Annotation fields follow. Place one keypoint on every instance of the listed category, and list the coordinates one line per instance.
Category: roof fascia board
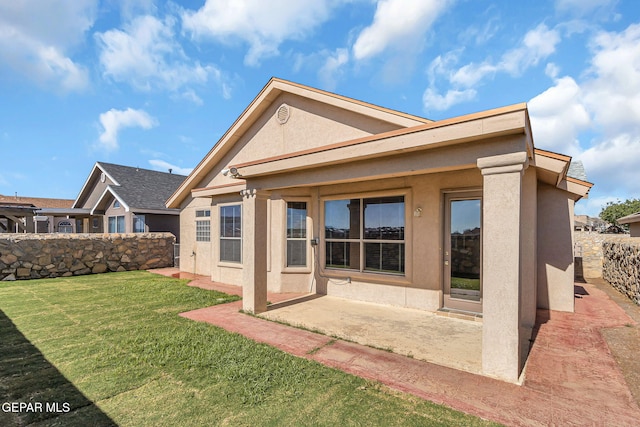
(219, 190)
(114, 194)
(576, 187)
(156, 211)
(274, 88)
(510, 120)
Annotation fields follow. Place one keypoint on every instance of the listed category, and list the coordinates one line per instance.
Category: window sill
(230, 264)
(357, 276)
(296, 270)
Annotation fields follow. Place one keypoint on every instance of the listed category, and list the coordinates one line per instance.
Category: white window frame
(362, 273)
(201, 224)
(117, 230)
(229, 263)
(302, 268)
(144, 223)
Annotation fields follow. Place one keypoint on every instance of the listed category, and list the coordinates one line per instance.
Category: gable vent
(282, 115)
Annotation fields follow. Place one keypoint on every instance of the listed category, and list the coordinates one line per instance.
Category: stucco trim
(487, 124)
(218, 190)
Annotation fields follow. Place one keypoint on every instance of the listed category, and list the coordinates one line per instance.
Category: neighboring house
(588, 223)
(20, 214)
(634, 223)
(310, 191)
(124, 199)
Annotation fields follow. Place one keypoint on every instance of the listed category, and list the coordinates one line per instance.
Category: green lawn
(113, 348)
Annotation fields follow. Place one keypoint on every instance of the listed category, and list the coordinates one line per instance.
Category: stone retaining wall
(621, 266)
(35, 256)
(588, 252)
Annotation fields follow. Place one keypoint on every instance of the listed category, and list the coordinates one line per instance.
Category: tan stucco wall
(555, 249)
(310, 124)
(634, 229)
(528, 266)
(95, 188)
(195, 257)
(422, 286)
(120, 211)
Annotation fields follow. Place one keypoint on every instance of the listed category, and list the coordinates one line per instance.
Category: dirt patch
(624, 342)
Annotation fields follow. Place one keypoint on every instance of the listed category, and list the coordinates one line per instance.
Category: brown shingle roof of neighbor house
(38, 202)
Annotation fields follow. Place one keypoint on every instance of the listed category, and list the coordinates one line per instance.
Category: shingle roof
(39, 202)
(142, 188)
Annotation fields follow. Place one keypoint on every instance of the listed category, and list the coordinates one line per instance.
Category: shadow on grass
(27, 377)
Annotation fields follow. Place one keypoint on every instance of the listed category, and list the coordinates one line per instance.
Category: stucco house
(310, 191)
(634, 223)
(125, 199)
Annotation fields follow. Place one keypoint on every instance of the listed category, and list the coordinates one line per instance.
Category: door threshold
(459, 314)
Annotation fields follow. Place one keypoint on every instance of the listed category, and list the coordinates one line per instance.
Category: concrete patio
(571, 377)
(422, 335)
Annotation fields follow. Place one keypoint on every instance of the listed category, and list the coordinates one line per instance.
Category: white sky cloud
(536, 45)
(161, 165)
(613, 92)
(432, 100)
(115, 120)
(607, 103)
(146, 55)
(558, 115)
(330, 72)
(36, 38)
(264, 25)
(396, 24)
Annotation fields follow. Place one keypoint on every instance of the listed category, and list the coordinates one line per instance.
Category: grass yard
(114, 350)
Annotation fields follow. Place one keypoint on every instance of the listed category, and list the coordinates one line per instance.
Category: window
(296, 234)
(116, 204)
(116, 224)
(139, 224)
(203, 227)
(65, 227)
(231, 233)
(365, 234)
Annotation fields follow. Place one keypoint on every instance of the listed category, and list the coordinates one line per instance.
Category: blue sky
(155, 84)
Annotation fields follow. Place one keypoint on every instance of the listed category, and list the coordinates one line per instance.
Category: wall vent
(282, 115)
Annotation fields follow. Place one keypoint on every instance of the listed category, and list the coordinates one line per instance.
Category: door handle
(446, 263)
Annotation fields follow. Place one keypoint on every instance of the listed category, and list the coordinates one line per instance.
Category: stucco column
(254, 251)
(501, 258)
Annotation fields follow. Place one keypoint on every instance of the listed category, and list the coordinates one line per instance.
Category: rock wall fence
(588, 252)
(621, 266)
(35, 256)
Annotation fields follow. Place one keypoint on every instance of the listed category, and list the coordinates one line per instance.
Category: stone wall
(588, 252)
(621, 266)
(34, 256)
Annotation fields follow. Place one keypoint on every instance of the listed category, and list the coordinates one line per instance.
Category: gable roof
(272, 90)
(135, 187)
